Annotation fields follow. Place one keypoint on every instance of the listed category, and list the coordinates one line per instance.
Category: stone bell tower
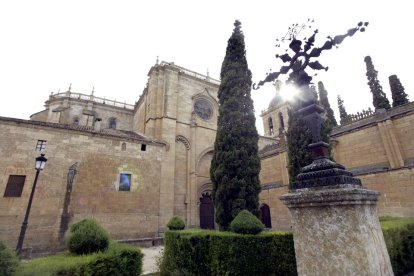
(275, 117)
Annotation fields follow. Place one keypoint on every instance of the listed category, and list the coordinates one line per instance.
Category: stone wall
(100, 158)
(65, 108)
(379, 150)
(167, 107)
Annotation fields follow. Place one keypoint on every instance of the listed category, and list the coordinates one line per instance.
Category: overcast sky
(111, 45)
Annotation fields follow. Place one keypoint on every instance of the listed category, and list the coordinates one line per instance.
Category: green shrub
(201, 252)
(246, 223)
(87, 237)
(8, 260)
(119, 259)
(399, 238)
(176, 223)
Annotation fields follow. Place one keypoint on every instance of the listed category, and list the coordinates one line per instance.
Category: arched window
(271, 131)
(112, 123)
(281, 122)
(76, 121)
(123, 147)
(265, 215)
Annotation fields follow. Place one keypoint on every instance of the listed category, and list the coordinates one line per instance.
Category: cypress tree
(399, 96)
(323, 99)
(379, 99)
(235, 165)
(298, 138)
(342, 112)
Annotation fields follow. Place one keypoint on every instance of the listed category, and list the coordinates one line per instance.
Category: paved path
(150, 256)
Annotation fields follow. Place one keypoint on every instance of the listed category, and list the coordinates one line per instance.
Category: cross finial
(70, 87)
(93, 90)
(157, 61)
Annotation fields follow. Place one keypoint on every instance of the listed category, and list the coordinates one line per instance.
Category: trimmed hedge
(8, 260)
(119, 259)
(208, 252)
(87, 237)
(176, 223)
(201, 252)
(399, 238)
(246, 223)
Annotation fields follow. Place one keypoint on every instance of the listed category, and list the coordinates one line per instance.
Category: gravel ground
(150, 257)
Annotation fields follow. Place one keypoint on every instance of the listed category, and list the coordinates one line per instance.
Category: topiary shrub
(87, 237)
(8, 260)
(246, 223)
(176, 223)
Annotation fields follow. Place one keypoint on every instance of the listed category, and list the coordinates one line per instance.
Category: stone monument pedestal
(337, 232)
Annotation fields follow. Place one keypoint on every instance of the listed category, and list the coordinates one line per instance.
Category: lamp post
(39, 165)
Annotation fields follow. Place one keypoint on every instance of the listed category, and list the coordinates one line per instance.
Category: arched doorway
(265, 214)
(206, 211)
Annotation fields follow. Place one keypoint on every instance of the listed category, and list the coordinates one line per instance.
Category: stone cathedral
(132, 167)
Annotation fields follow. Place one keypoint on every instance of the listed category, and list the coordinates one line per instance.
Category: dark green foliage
(379, 99)
(198, 252)
(342, 112)
(399, 97)
(400, 244)
(246, 223)
(121, 260)
(87, 237)
(118, 259)
(176, 223)
(323, 99)
(235, 165)
(298, 138)
(8, 260)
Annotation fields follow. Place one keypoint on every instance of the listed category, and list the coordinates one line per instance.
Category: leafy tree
(323, 99)
(379, 99)
(342, 112)
(399, 96)
(235, 165)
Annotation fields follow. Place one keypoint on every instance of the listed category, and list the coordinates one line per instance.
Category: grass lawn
(393, 222)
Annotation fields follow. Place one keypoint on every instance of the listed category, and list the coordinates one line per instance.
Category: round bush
(246, 223)
(8, 260)
(87, 237)
(176, 223)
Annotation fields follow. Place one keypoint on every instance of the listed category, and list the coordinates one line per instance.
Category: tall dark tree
(399, 96)
(235, 166)
(298, 138)
(323, 99)
(342, 111)
(379, 99)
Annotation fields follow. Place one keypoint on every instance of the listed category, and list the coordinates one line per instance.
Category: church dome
(277, 99)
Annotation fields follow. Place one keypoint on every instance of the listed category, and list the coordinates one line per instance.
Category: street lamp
(39, 165)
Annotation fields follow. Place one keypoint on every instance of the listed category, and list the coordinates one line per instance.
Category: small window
(41, 145)
(76, 122)
(271, 130)
(14, 186)
(123, 147)
(124, 182)
(143, 147)
(112, 123)
(281, 121)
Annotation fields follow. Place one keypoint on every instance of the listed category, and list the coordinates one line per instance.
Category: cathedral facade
(132, 167)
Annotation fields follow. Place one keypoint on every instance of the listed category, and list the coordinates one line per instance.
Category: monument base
(337, 232)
